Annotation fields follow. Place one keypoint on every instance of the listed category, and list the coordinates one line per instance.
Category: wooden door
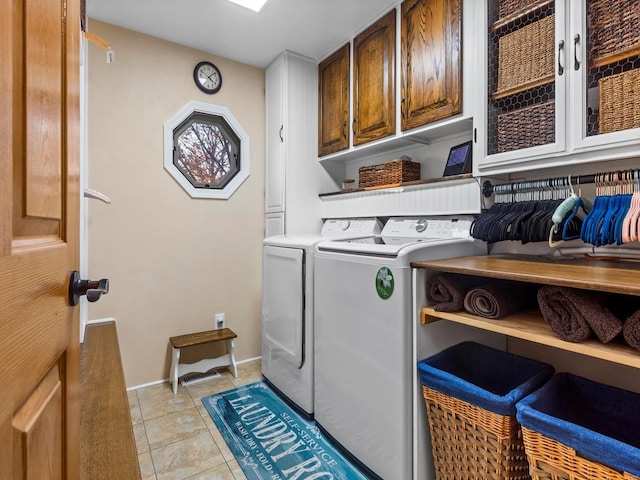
(333, 102)
(39, 231)
(431, 61)
(374, 83)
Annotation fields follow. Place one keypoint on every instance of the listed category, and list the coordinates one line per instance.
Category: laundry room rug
(271, 441)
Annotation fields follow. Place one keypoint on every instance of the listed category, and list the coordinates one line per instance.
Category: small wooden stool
(182, 341)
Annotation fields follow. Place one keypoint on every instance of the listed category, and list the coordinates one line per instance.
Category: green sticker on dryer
(384, 283)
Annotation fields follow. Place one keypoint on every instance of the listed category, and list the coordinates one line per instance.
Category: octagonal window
(206, 150)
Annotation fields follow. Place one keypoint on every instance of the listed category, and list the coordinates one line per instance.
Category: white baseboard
(166, 380)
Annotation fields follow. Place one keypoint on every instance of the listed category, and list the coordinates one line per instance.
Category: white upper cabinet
(293, 176)
(562, 83)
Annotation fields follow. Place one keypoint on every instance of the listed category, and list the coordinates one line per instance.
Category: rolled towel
(631, 330)
(445, 293)
(572, 314)
(499, 299)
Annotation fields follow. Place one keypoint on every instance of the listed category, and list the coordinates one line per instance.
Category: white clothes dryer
(287, 307)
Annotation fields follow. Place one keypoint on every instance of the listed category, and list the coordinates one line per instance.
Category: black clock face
(207, 77)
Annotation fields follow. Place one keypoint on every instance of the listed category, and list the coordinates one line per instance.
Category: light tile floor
(175, 436)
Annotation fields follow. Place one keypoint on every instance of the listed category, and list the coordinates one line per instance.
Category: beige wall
(173, 262)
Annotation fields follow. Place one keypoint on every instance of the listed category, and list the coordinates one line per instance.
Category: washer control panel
(428, 227)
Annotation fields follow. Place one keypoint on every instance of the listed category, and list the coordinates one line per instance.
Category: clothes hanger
(630, 224)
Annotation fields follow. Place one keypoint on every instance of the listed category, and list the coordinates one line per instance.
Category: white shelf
(422, 135)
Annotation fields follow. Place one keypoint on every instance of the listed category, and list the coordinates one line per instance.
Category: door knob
(93, 289)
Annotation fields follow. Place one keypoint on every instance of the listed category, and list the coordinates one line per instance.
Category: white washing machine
(287, 306)
(366, 345)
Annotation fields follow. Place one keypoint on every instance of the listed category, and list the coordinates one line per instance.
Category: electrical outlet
(219, 320)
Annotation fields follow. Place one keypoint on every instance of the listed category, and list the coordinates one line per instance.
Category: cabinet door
(528, 64)
(275, 167)
(604, 62)
(374, 81)
(274, 224)
(333, 102)
(431, 67)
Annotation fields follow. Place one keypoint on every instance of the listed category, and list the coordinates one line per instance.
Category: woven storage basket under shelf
(508, 7)
(526, 56)
(549, 459)
(471, 442)
(620, 101)
(396, 171)
(614, 27)
(527, 127)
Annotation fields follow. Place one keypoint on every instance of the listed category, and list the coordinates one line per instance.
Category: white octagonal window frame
(176, 121)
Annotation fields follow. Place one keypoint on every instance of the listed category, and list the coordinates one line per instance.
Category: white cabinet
(548, 92)
(293, 176)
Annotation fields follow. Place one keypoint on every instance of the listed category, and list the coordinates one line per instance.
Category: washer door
(283, 304)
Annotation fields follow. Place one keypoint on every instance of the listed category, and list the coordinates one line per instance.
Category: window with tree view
(208, 151)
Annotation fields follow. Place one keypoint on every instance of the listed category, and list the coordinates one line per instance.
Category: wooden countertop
(108, 448)
(600, 275)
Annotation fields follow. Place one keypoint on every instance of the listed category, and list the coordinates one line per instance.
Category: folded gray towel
(498, 299)
(445, 292)
(631, 330)
(573, 314)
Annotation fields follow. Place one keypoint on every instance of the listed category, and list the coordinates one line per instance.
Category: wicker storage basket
(527, 127)
(577, 429)
(470, 393)
(620, 101)
(614, 27)
(396, 171)
(508, 7)
(526, 56)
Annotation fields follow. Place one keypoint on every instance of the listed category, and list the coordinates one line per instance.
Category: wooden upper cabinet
(431, 61)
(333, 102)
(374, 81)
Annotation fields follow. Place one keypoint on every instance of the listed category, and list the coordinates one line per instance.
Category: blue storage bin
(601, 423)
(488, 378)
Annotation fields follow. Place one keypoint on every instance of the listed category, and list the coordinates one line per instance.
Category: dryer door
(283, 304)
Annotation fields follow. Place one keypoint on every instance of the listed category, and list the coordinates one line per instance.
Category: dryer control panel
(340, 227)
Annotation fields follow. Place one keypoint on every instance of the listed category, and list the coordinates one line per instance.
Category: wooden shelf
(596, 275)
(603, 276)
(521, 88)
(531, 326)
(520, 14)
(615, 57)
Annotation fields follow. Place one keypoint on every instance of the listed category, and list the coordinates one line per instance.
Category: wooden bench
(108, 447)
(183, 341)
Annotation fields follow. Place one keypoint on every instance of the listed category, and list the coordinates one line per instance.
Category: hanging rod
(488, 187)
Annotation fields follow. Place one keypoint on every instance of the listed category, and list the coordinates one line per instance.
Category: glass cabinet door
(524, 97)
(612, 66)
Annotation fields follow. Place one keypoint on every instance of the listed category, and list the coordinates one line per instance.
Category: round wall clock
(207, 77)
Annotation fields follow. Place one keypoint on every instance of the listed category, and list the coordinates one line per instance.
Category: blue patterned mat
(271, 441)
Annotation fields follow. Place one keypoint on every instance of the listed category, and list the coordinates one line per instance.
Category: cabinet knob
(280, 133)
(576, 62)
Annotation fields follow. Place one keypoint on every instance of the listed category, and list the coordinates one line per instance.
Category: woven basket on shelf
(526, 55)
(527, 127)
(620, 101)
(614, 27)
(470, 442)
(507, 7)
(396, 171)
(549, 459)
